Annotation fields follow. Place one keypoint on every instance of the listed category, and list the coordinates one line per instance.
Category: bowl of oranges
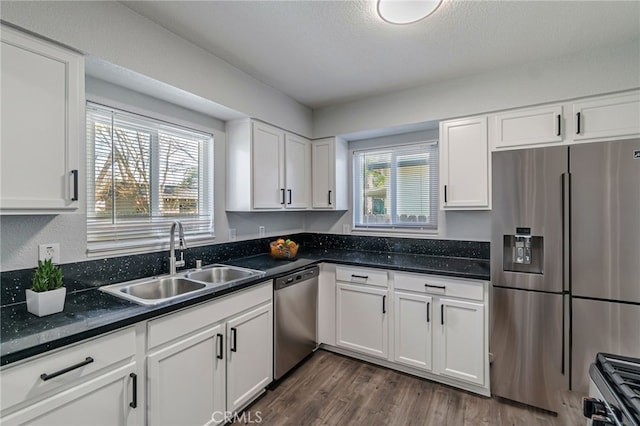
(283, 249)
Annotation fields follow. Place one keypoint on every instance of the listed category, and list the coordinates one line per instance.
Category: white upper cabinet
(267, 168)
(595, 119)
(42, 118)
(329, 166)
(607, 117)
(528, 127)
(465, 170)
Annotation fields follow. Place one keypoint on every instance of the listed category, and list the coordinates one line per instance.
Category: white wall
(584, 74)
(116, 34)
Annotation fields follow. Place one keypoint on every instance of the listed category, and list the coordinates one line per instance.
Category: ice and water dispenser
(523, 252)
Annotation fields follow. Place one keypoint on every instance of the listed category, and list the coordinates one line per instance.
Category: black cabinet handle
(234, 341)
(75, 185)
(441, 287)
(329, 197)
(442, 314)
(384, 304)
(445, 193)
(578, 123)
(134, 402)
(428, 309)
(46, 376)
(289, 191)
(364, 277)
(220, 339)
(559, 121)
(282, 193)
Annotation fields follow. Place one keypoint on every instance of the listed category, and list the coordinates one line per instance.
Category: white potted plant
(47, 295)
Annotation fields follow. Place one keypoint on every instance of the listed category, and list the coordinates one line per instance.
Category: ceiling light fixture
(406, 11)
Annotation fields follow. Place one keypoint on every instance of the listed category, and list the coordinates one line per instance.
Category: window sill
(112, 249)
(397, 232)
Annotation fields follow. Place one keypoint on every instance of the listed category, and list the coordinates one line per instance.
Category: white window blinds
(396, 187)
(142, 175)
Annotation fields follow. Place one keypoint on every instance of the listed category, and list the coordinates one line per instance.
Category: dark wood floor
(331, 389)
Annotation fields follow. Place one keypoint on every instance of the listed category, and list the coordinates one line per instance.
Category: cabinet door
(42, 117)
(607, 117)
(413, 318)
(105, 400)
(525, 127)
(250, 356)
(361, 322)
(186, 380)
(464, 160)
(297, 171)
(461, 340)
(268, 166)
(323, 174)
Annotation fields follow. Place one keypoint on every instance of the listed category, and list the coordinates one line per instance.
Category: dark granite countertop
(90, 312)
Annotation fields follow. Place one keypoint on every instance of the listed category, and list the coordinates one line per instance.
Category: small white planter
(46, 302)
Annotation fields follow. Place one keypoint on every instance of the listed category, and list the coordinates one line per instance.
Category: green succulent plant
(47, 276)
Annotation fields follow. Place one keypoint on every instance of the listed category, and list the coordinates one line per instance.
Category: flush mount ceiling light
(406, 11)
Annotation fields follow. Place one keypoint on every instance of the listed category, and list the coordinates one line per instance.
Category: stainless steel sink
(162, 288)
(153, 291)
(220, 274)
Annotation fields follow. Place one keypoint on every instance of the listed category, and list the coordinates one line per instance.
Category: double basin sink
(153, 291)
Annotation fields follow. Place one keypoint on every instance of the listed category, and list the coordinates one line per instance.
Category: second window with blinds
(396, 188)
(143, 174)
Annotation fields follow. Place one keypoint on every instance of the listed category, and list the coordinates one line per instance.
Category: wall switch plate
(232, 234)
(49, 251)
(346, 228)
(261, 231)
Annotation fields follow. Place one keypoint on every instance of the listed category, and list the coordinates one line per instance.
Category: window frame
(160, 240)
(396, 228)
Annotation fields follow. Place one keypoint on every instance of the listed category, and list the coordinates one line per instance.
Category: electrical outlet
(232, 234)
(261, 231)
(49, 251)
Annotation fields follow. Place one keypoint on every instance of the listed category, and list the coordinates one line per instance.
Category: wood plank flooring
(330, 389)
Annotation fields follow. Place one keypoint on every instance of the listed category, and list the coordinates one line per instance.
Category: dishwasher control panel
(291, 279)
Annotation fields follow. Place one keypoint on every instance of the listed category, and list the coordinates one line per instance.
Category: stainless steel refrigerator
(565, 266)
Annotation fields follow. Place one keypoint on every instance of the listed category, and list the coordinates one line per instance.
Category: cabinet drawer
(177, 325)
(377, 277)
(468, 289)
(29, 380)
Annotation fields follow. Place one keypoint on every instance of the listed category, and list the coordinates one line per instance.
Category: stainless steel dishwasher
(296, 302)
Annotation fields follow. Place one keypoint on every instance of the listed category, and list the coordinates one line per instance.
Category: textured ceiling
(327, 52)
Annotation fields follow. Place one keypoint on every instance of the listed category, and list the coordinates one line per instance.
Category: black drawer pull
(384, 304)
(364, 277)
(234, 341)
(578, 123)
(329, 197)
(289, 191)
(282, 193)
(442, 314)
(428, 309)
(559, 132)
(134, 385)
(441, 287)
(220, 339)
(46, 376)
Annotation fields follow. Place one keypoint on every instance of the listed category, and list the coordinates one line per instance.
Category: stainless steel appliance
(295, 301)
(614, 391)
(565, 266)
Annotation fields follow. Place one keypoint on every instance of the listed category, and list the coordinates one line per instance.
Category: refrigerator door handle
(566, 256)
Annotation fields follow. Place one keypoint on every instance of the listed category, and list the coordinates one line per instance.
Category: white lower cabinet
(209, 361)
(361, 322)
(186, 381)
(413, 330)
(105, 400)
(431, 326)
(250, 356)
(92, 383)
(461, 340)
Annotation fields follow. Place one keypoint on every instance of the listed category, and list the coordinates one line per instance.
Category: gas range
(614, 391)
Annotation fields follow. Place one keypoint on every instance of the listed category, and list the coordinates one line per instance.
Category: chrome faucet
(173, 263)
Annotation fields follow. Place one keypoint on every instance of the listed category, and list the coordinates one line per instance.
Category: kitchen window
(396, 188)
(143, 174)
